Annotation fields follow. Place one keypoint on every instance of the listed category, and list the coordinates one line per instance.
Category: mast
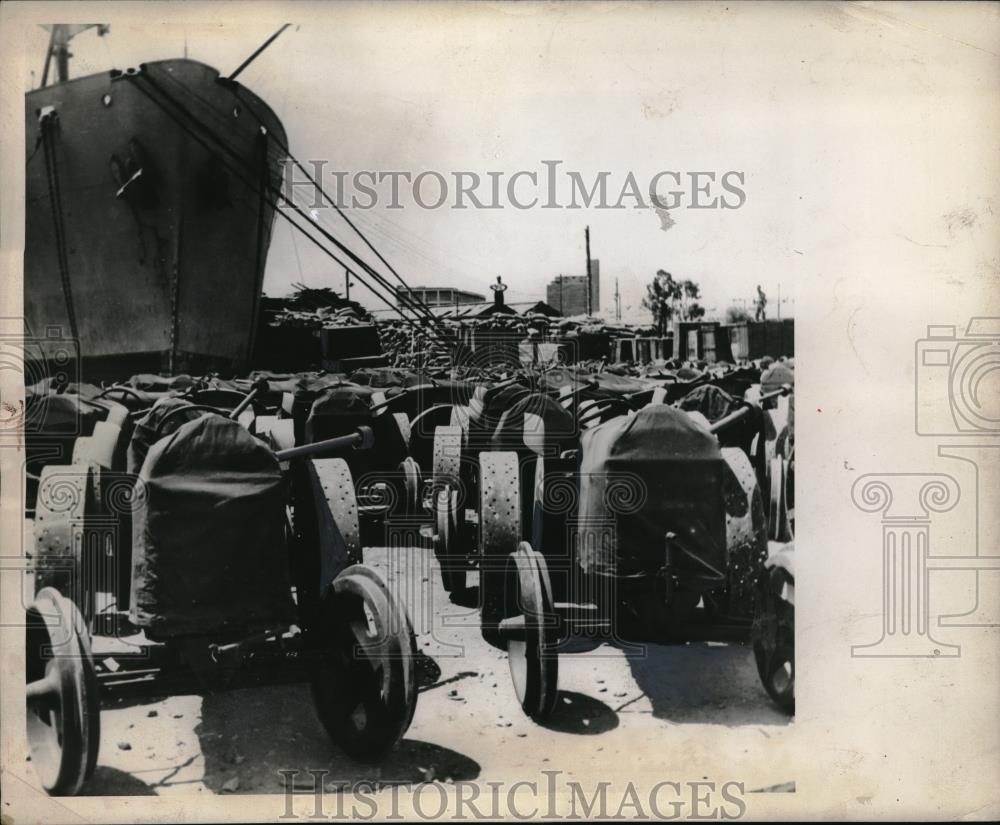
(60, 35)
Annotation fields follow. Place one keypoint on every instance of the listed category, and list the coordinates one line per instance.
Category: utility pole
(618, 302)
(590, 308)
(779, 300)
(561, 294)
(347, 283)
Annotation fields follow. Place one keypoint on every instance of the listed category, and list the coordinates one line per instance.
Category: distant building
(441, 296)
(568, 293)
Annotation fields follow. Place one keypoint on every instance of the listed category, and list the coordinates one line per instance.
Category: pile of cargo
(314, 308)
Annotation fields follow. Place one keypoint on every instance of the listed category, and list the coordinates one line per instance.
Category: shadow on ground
(248, 736)
(703, 683)
(113, 782)
(577, 713)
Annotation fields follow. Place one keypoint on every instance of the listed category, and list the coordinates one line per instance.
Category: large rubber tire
(63, 701)
(774, 640)
(532, 646)
(364, 683)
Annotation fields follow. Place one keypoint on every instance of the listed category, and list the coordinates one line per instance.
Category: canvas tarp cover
(161, 383)
(383, 377)
(52, 413)
(307, 390)
(715, 403)
(50, 385)
(619, 384)
(712, 402)
(776, 376)
(536, 422)
(309, 387)
(145, 432)
(486, 408)
(280, 382)
(642, 476)
(208, 536)
(449, 391)
(340, 411)
(488, 403)
(736, 382)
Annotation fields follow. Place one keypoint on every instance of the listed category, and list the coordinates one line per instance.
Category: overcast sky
(779, 93)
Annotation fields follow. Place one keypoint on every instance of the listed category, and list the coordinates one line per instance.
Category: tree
(735, 315)
(667, 299)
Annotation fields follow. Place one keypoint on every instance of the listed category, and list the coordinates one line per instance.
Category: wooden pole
(590, 308)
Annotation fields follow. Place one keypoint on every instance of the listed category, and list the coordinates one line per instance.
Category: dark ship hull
(148, 217)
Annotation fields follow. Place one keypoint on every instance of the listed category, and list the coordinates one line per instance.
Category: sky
(500, 88)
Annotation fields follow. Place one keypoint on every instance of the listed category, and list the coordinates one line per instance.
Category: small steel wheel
(790, 491)
(774, 638)
(446, 543)
(411, 487)
(530, 628)
(364, 683)
(63, 705)
(779, 526)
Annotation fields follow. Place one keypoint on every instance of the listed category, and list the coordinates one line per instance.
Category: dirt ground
(666, 710)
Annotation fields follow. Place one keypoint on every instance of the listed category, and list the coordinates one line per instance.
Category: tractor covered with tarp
(635, 522)
(215, 562)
